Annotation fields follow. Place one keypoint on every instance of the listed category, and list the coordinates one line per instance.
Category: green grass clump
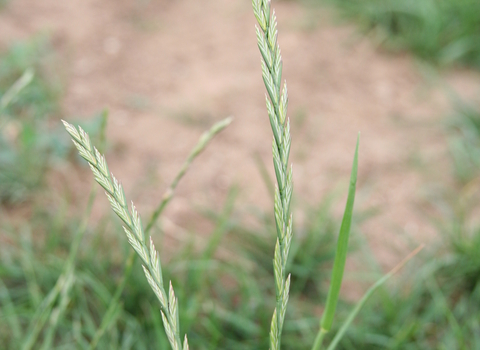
(41, 311)
(440, 31)
(230, 308)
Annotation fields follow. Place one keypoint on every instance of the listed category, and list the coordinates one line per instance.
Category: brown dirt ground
(167, 69)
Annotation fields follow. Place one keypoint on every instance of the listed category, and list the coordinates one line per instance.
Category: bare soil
(167, 69)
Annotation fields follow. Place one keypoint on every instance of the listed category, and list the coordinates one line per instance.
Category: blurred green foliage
(224, 302)
(464, 140)
(441, 31)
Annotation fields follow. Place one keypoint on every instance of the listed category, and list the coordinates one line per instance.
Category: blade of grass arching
(340, 258)
(15, 89)
(199, 147)
(9, 313)
(367, 295)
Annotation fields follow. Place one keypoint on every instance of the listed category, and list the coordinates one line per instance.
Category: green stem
(319, 339)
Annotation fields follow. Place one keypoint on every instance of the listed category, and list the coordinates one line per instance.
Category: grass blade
(340, 257)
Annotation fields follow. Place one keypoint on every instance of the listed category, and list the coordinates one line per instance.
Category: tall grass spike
(276, 102)
(134, 231)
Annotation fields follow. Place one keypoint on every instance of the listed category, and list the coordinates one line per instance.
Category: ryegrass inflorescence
(277, 101)
(135, 233)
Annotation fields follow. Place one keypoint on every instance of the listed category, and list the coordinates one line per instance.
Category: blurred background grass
(440, 31)
(226, 288)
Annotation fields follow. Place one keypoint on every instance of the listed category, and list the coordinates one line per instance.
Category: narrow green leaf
(340, 257)
(342, 247)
